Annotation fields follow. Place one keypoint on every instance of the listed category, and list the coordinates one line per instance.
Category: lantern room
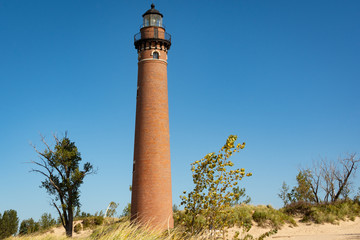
(152, 17)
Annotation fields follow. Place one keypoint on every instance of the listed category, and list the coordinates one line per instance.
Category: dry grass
(39, 237)
(242, 217)
(119, 230)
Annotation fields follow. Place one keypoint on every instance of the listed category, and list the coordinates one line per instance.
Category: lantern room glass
(152, 20)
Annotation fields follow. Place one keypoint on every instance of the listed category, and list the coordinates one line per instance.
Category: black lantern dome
(152, 17)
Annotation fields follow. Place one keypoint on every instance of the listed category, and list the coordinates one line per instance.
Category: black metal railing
(152, 35)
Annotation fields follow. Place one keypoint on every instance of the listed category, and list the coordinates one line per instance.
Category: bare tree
(326, 180)
(328, 169)
(336, 176)
(314, 179)
(343, 176)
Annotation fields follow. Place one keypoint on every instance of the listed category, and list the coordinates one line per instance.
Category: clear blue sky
(282, 75)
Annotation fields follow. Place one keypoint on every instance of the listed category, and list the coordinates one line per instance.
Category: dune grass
(245, 216)
(123, 230)
(38, 237)
(127, 231)
(325, 212)
(263, 216)
(242, 216)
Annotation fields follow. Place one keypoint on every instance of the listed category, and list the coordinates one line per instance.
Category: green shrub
(86, 223)
(324, 212)
(77, 228)
(92, 222)
(98, 220)
(267, 215)
(297, 208)
(259, 216)
(242, 216)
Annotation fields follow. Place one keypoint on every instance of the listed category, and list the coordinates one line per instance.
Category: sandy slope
(311, 231)
(349, 230)
(344, 230)
(60, 232)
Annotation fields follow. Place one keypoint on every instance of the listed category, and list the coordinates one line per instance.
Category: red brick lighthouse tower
(151, 200)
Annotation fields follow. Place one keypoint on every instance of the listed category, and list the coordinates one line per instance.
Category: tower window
(155, 55)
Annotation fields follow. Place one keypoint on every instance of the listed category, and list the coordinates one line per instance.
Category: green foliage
(267, 215)
(324, 212)
(331, 179)
(77, 228)
(126, 211)
(239, 194)
(244, 216)
(284, 194)
(206, 206)
(84, 214)
(111, 210)
(175, 208)
(46, 221)
(92, 222)
(297, 208)
(300, 193)
(241, 216)
(9, 223)
(98, 220)
(80, 214)
(86, 223)
(259, 216)
(101, 213)
(29, 226)
(303, 188)
(63, 177)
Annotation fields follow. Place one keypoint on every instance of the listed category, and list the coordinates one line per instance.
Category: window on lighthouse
(155, 55)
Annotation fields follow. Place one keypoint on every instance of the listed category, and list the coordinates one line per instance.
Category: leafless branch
(46, 157)
(61, 217)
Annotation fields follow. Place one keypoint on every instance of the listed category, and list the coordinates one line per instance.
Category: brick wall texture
(151, 201)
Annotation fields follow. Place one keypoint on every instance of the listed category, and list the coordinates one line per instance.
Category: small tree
(111, 209)
(240, 196)
(284, 194)
(28, 226)
(9, 223)
(175, 208)
(127, 210)
(63, 177)
(206, 205)
(46, 221)
(303, 189)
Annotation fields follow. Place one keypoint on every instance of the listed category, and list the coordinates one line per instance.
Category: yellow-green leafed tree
(206, 206)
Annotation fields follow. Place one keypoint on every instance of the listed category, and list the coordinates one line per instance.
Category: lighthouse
(151, 199)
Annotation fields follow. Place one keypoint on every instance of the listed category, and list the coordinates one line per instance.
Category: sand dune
(327, 231)
(349, 230)
(310, 231)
